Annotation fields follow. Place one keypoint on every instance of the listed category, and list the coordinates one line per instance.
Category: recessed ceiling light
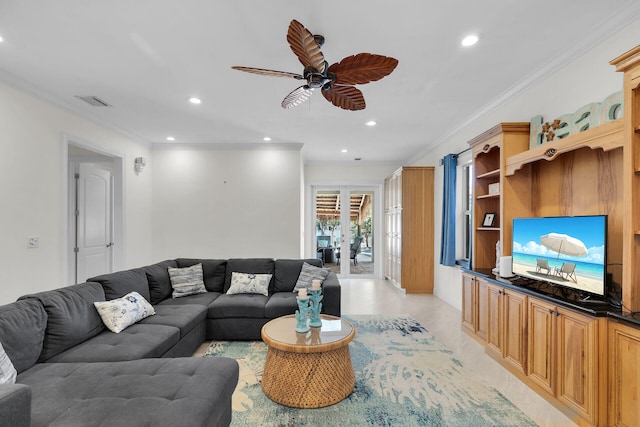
(195, 100)
(170, 138)
(469, 40)
(266, 139)
(371, 123)
(344, 150)
(1, 39)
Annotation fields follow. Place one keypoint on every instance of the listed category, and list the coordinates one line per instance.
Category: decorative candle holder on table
(303, 310)
(316, 305)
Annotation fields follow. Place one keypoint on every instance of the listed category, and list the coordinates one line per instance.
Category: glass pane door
(344, 237)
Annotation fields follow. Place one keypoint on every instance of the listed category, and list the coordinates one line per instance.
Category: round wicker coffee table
(310, 370)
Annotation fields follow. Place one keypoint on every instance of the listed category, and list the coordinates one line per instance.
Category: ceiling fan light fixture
(469, 40)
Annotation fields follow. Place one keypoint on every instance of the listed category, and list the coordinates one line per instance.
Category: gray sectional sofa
(73, 371)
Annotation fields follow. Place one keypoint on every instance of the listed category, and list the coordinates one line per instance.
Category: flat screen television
(569, 251)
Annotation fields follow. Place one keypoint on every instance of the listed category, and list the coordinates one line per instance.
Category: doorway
(94, 212)
(344, 229)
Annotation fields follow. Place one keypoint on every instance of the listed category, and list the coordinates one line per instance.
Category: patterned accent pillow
(249, 283)
(308, 273)
(7, 371)
(187, 281)
(120, 313)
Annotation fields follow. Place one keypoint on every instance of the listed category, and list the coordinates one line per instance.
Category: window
(464, 204)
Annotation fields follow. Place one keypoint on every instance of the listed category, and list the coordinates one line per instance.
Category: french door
(343, 236)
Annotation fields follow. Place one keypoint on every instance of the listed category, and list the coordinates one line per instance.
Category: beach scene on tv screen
(569, 251)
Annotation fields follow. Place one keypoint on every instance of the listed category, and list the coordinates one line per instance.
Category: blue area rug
(404, 377)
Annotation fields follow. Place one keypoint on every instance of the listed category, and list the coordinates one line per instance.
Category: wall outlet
(33, 241)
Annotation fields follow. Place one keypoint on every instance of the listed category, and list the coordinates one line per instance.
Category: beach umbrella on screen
(564, 244)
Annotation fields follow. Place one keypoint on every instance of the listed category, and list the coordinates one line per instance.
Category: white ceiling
(147, 57)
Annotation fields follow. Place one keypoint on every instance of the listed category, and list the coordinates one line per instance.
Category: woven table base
(308, 380)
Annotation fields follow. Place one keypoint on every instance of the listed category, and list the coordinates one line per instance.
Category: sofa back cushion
(213, 271)
(71, 316)
(117, 285)
(249, 265)
(22, 329)
(159, 281)
(288, 270)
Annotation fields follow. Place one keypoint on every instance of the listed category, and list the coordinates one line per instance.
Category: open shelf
(489, 174)
(488, 228)
(488, 196)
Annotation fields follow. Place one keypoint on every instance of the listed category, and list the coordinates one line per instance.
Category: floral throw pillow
(249, 283)
(7, 371)
(120, 313)
(187, 281)
(308, 273)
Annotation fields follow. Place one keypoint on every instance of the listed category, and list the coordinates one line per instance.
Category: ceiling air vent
(94, 101)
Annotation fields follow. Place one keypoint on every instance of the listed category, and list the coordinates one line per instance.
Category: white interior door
(94, 222)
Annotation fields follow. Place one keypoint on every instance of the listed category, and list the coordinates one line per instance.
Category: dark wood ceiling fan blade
(305, 46)
(362, 68)
(345, 97)
(297, 96)
(265, 72)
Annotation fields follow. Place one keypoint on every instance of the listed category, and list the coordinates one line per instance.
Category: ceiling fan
(336, 81)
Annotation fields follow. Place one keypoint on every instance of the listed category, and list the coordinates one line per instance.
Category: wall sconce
(139, 164)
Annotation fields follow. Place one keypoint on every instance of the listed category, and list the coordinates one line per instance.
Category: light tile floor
(374, 296)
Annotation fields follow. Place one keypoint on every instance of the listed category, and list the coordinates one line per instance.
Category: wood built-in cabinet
(490, 151)
(409, 229)
(624, 374)
(586, 366)
(564, 356)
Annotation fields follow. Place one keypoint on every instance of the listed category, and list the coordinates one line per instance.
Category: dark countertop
(558, 295)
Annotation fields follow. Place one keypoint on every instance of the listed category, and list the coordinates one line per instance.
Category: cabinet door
(495, 320)
(624, 375)
(541, 349)
(468, 302)
(515, 330)
(576, 341)
(482, 307)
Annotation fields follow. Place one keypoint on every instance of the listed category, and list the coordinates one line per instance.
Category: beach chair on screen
(567, 271)
(542, 264)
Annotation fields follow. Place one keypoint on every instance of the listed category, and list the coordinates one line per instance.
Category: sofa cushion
(240, 305)
(141, 393)
(200, 299)
(159, 281)
(186, 281)
(119, 284)
(22, 328)
(249, 265)
(213, 271)
(120, 313)
(287, 272)
(249, 283)
(308, 274)
(71, 316)
(136, 342)
(184, 317)
(281, 304)
(7, 370)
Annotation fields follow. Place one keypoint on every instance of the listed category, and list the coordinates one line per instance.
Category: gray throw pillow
(7, 371)
(309, 273)
(187, 281)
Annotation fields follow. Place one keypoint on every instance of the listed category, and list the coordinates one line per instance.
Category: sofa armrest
(15, 405)
(331, 291)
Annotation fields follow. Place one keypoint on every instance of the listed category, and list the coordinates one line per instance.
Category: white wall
(32, 192)
(588, 78)
(221, 203)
